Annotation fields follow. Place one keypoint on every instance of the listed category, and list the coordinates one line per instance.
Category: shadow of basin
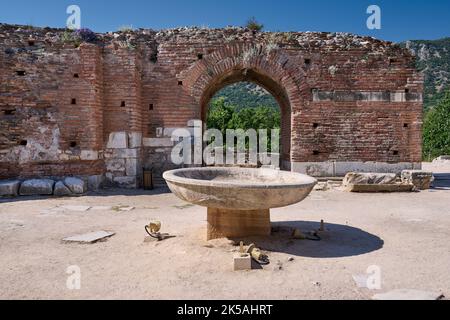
(342, 241)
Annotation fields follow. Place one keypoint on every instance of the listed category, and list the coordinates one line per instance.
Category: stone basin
(239, 199)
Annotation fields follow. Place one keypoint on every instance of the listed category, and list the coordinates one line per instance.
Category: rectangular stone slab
(90, 237)
(374, 188)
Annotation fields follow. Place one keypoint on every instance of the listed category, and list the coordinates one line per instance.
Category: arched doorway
(271, 86)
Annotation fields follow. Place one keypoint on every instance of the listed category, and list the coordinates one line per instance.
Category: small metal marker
(322, 225)
(242, 247)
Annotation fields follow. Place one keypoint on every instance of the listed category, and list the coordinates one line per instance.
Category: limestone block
(131, 167)
(242, 261)
(355, 178)
(90, 237)
(420, 179)
(9, 188)
(379, 188)
(118, 140)
(89, 155)
(35, 187)
(61, 190)
(169, 131)
(441, 159)
(125, 153)
(114, 165)
(77, 186)
(134, 140)
(95, 182)
(126, 182)
(158, 142)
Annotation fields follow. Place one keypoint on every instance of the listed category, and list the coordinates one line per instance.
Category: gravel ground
(405, 236)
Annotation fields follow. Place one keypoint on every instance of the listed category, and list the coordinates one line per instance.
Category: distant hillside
(247, 95)
(433, 57)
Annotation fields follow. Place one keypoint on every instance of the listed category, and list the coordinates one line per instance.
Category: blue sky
(401, 19)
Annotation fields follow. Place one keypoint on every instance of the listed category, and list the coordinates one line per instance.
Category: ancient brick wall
(110, 107)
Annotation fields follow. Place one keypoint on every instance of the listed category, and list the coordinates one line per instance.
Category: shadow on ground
(340, 241)
(441, 181)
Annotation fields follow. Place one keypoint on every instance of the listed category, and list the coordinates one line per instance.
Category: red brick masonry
(347, 102)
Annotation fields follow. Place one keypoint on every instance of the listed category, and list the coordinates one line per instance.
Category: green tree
(254, 25)
(220, 114)
(223, 116)
(436, 131)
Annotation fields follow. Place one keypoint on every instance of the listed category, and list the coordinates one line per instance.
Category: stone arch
(270, 68)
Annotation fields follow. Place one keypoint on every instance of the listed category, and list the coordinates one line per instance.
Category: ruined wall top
(307, 41)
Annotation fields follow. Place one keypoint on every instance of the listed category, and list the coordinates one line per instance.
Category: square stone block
(134, 140)
(117, 140)
(420, 179)
(242, 261)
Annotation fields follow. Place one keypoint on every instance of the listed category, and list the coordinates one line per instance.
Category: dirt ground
(406, 236)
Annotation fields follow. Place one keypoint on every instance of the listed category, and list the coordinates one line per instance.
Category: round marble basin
(239, 199)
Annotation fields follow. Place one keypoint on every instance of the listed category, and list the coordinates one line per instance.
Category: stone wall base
(340, 169)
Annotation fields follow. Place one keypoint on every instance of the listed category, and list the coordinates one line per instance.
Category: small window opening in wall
(308, 61)
(315, 125)
(180, 83)
(154, 57)
(23, 142)
(406, 90)
(396, 152)
(73, 144)
(405, 125)
(76, 75)
(20, 73)
(392, 61)
(123, 104)
(200, 56)
(74, 101)
(316, 152)
(9, 112)
(31, 43)
(150, 106)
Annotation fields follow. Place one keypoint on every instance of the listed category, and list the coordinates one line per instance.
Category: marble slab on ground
(101, 208)
(76, 208)
(406, 294)
(90, 237)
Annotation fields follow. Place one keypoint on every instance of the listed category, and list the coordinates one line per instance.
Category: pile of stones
(43, 187)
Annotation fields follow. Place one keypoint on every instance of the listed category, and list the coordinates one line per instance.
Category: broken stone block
(36, 187)
(380, 188)
(117, 140)
(242, 261)
(61, 190)
(90, 237)
(352, 178)
(76, 208)
(126, 182)
(442, 159)
(420, 179)
(9, 188)
(405, 294)
(77, 186)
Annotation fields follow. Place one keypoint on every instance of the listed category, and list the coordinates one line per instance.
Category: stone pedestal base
(237, 223)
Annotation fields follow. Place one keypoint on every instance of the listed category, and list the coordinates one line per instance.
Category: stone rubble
(422, 180)
(9, 188)
(37, 187)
